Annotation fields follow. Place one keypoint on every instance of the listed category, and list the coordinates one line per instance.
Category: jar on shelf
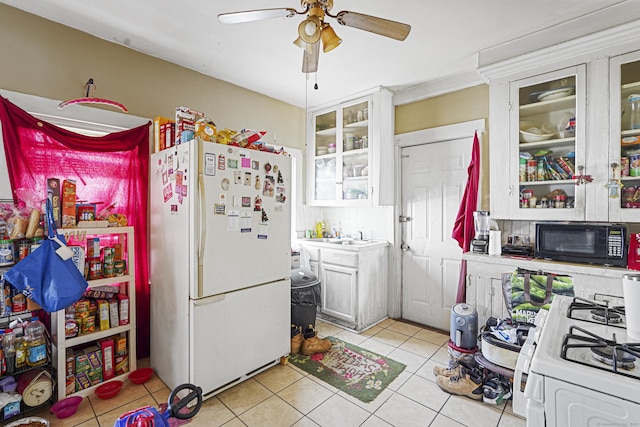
(522, 170)
(634, 111)
(532, 170)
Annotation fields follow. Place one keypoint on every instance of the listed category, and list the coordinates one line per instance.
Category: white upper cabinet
(348, 144)
(539, 147)
(561, 133)
(625, 135)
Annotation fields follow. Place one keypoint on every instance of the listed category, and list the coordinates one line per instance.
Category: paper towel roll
(495, 242)
(631, 290)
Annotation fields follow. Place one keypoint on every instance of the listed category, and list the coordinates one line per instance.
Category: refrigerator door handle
(203, 220)
(209, 300)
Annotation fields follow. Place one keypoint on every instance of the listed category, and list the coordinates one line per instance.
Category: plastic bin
(305, 297)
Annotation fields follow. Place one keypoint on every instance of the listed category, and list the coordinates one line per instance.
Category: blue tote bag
(48, 275)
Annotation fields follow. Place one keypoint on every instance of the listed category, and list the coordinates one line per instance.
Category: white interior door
(433, 179)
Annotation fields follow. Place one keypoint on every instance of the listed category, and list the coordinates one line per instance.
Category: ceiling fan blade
(310, 59)
(373, 24)
(255, 15)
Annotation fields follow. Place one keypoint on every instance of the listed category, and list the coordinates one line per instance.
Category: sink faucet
(360, 233)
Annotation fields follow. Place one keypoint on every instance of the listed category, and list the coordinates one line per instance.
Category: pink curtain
(108, 170)
(463, 229)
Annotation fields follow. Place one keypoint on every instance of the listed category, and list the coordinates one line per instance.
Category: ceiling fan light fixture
(309, 29)
(303, 45)
(330, 39)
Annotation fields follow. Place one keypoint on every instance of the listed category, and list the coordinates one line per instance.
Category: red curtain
(108, 170)
(463, 229)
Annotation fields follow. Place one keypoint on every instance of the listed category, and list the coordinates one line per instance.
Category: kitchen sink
(336, 241)
(354, 242)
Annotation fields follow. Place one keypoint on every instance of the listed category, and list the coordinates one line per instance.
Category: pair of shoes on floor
(453, 369)
(461, 379)
(496, 390)
(312, 344)
(296, 339)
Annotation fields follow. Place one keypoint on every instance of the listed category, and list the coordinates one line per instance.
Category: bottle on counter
(8, 346)
(36, 343)
(21, 351)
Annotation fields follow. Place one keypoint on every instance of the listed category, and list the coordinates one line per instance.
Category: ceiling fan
(314, 29)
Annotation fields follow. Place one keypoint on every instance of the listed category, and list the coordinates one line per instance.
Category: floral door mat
(354, 370)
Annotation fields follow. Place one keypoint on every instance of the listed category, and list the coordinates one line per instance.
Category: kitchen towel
(463, 229)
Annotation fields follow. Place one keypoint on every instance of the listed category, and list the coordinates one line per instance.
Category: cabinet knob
(404, 247)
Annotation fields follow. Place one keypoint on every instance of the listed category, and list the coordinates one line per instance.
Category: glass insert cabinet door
(341, 154)
(325, 156)
(629, 131)
(548, 131)
(355, 151)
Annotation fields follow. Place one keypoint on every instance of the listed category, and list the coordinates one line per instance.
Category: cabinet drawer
(347, 258)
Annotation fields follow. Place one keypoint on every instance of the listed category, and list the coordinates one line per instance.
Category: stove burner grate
(602, 315)
(598, 312)
(616, 356)
(605, 355)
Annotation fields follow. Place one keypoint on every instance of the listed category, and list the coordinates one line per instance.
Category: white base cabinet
(353, 282)
(339, 292)
(125, 284)
(484, 280)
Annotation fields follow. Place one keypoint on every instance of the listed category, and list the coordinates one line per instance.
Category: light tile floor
(288, 396)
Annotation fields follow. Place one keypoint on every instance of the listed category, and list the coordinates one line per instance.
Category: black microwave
(582, 242)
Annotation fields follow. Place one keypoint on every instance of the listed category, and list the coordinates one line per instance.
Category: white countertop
(541, 264)
(347, 244)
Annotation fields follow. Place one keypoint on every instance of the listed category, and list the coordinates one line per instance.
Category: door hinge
(509, 106)
(403, 218)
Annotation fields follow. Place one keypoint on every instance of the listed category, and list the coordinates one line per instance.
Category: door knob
(404, 247)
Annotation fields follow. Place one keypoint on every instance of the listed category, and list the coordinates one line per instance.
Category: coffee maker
(482, 225)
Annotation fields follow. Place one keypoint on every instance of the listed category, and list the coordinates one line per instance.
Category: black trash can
(305, 297)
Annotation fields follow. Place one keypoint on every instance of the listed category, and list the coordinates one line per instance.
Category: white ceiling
(445, 38)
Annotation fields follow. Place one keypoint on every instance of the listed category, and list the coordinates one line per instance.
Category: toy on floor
(149, 416)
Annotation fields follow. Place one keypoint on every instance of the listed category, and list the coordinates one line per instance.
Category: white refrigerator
(220, 249)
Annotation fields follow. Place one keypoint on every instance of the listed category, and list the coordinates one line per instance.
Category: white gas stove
(582, 370)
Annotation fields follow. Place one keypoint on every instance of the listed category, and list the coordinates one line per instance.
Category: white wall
(375, 223)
